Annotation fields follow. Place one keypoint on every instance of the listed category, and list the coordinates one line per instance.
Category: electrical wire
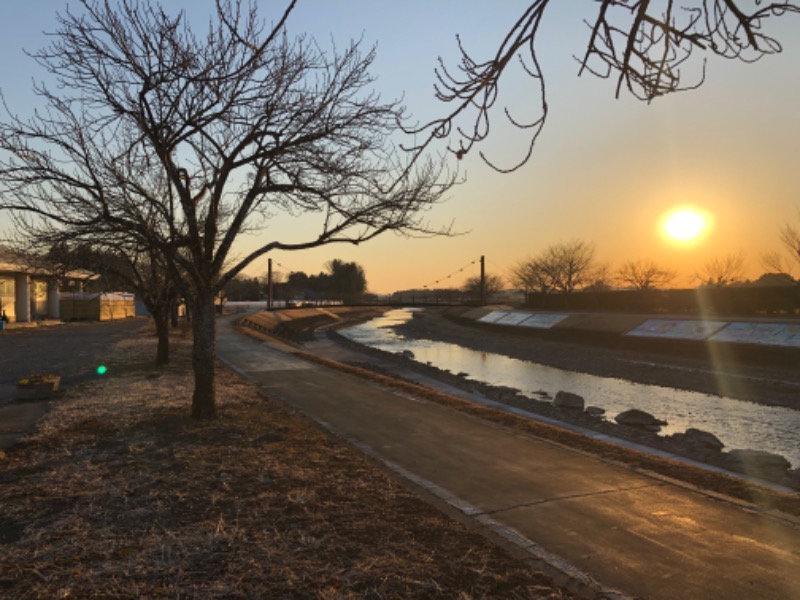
(456, 272)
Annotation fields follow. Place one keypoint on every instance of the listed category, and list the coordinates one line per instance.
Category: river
(738, 424)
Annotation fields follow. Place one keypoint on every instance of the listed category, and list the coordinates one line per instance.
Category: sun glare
(684, 225)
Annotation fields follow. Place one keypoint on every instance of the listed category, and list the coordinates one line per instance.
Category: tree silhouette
(182, 141)
(560, 268)
(569, 265)
(492, 283)
(347, 280)
(723, 270)
(643, 44)
(644, 274)
(790, 236)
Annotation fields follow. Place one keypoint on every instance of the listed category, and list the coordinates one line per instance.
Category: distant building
(83, 306)
(29, 293)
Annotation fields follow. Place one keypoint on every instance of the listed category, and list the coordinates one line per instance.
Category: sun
(685, 225)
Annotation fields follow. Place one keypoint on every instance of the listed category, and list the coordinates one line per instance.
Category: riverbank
(120, 494)
(684, 366)
(637, 361)
(392, 369)
(432, 324)
(754, 382)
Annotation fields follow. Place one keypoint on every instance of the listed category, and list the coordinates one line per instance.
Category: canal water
(738, 424)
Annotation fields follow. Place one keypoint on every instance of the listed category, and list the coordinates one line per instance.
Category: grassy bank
(120, 494)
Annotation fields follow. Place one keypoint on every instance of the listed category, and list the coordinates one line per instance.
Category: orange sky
(604, 170)
(607, 170)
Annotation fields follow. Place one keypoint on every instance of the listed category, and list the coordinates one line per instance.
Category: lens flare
(101, 370)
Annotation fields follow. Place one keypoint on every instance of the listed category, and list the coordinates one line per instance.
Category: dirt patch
(120, 494)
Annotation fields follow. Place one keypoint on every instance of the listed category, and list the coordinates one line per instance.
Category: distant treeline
(720, 301)
(341, 281)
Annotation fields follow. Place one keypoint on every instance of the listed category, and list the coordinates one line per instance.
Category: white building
(28, 293)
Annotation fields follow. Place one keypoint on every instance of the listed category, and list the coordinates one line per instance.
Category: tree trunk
(161, 319)
(204, 355)
(173, 313)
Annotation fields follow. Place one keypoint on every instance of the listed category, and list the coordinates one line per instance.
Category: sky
(604, 170)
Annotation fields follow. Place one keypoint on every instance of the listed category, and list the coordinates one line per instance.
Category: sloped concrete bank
(763, 341)
(299, 323)
(689, 366)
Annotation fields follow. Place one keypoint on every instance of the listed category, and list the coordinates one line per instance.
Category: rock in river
(702, 439)
(595, 412)
(639, 418)
(568, 400)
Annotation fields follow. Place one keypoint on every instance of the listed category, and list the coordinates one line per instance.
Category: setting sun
(685, 225)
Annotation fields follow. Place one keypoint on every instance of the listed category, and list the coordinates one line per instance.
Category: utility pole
(269, 284)
(483, 281)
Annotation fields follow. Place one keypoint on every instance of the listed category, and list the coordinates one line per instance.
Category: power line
(276, 263)
(456, 272)
(505, 270)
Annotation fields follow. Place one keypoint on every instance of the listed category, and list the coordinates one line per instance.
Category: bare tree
(561, 268)
(531, 277)
(784, 261)
(775, 261)
(722, 270)
(570, 265)
(790, 236)
(492, 285)
(644, 274)
(645, 45)
(182, 141)
(141, 270)
(117, 262)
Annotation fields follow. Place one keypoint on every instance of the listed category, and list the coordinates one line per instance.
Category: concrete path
(627, 531)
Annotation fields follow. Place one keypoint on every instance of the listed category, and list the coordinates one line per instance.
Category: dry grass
(120, 494)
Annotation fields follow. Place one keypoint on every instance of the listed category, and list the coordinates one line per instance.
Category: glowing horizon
(604, 170)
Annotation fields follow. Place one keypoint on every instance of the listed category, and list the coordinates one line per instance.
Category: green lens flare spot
(101, 370)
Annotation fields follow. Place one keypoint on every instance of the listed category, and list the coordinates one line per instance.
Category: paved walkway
(627, 531)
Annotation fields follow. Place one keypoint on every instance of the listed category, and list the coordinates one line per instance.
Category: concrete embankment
(290, 323)
(765, 341)
(299, 326)
(770, 341)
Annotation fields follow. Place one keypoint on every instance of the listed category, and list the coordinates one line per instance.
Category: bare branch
(645, 44)
(722, 270)
(644, 274)
(158, 139)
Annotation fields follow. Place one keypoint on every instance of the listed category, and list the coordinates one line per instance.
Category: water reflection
(737, 423)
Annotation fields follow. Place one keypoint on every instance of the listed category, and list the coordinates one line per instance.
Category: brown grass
(120, 494)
